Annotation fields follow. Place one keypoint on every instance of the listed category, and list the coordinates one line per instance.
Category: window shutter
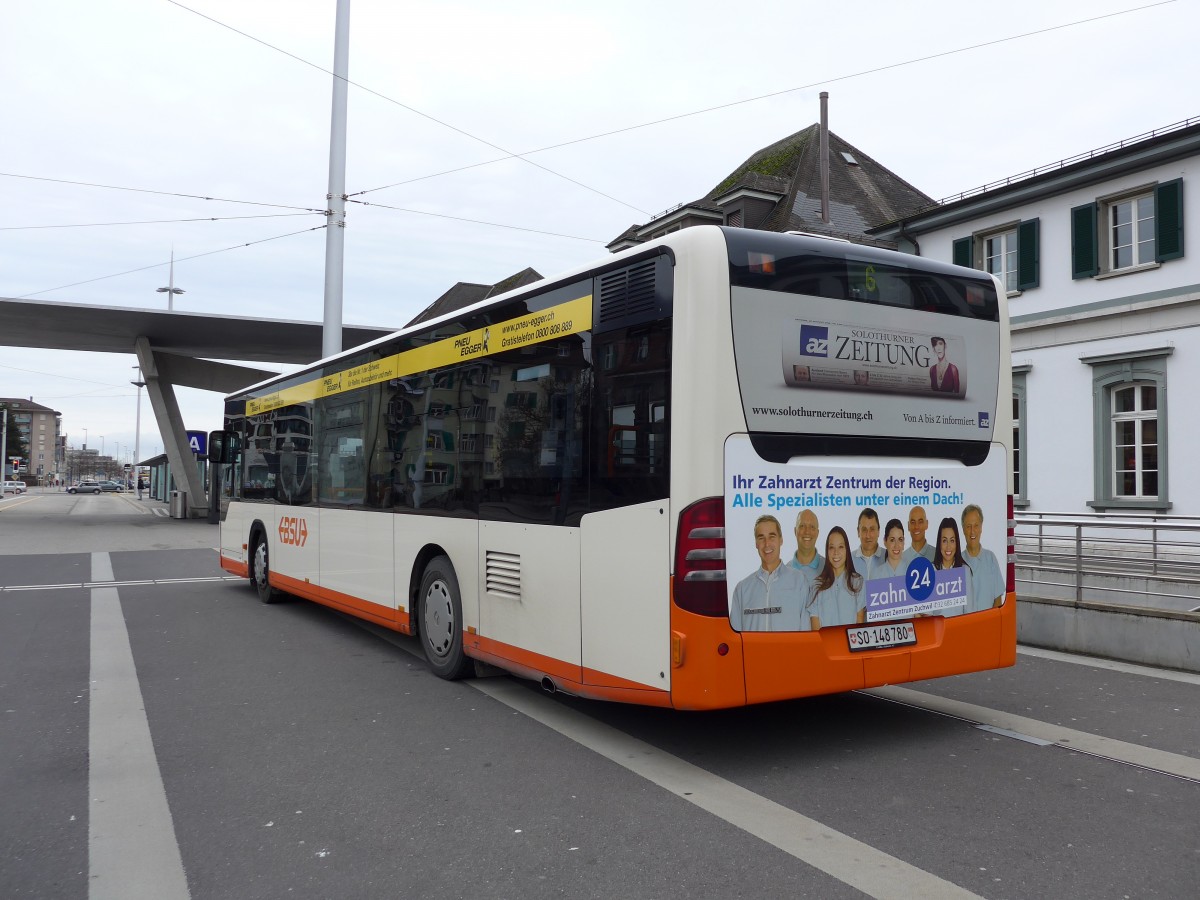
(962, 251)
(1028, 254)
(1168, 220)
(1085, 254)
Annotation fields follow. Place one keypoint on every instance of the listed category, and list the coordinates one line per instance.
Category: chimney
(825, 157)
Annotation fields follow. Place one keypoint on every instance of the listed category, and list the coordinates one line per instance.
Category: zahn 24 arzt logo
(814, 340)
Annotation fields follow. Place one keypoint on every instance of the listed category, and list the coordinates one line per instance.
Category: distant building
(465, 294)
(1105, 303)
(778, 188)
(40, 428)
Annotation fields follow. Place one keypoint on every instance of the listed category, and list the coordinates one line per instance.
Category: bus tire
(260, 572)
(440, 620)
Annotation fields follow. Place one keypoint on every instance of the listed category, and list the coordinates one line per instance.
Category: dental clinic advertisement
(898, 531)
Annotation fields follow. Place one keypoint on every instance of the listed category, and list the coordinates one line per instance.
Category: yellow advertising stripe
(552, 323)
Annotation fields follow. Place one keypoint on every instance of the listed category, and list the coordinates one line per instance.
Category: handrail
(1114, 546)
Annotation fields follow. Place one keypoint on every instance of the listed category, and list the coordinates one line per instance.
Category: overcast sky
(149, 94)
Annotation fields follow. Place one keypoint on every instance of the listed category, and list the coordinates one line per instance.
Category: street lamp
(170, 290)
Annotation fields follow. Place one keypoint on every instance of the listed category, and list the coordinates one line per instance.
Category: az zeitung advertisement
(861, 368)
(816, 543)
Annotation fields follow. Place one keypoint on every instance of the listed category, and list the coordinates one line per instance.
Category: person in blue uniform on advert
(950, 556)
(987, 582)
(896, 561)
(771, 598)
(837, 596)
(869, 552)
(918, 524)
(806, 558)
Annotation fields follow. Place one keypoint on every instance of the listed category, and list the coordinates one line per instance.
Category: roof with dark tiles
(862, 193)
(465, 293)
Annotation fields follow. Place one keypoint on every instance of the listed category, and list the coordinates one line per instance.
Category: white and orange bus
(669, 478)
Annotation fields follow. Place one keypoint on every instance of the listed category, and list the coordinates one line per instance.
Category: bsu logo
(814, 340)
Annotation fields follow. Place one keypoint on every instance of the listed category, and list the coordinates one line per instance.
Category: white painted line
(132, 850)
(875, 873)
(1015, 735)
(1134, 754)
(40, 587)
(1096, 662)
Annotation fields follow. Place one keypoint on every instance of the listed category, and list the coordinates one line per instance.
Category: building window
(1020, 438)
(1011, 253)
(1131, 232)
(1130, 421)
(1000, 258)
(1123, 233)
(1135, 441)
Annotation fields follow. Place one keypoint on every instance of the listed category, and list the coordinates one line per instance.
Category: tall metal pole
(4, 448)
(170, 290)
(335, 232)
(137, 438)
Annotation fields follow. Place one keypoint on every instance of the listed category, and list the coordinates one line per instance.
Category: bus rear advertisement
(724, 467)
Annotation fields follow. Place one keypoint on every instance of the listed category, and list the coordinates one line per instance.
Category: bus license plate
(872, 637)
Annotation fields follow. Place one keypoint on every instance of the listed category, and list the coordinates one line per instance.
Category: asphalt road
(163, 734)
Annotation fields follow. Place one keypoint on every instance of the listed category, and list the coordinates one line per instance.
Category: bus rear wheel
(260, 573)
(440, 620)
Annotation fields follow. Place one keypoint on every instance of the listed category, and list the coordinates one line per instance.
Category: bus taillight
(700, 559)
(1011, 580)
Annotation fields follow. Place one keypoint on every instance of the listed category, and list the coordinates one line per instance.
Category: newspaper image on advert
(823, 354)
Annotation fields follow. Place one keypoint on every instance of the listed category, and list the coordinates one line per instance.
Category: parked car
(85, 487)
(111, 486)
(14, 487)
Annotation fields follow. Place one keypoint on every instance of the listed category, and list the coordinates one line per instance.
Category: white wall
(1059, 453)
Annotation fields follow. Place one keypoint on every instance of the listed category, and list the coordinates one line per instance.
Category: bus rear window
(796, 264)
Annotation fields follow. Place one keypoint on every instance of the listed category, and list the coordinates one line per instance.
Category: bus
(724, 467)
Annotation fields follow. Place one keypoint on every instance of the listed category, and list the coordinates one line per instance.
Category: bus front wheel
(440, 619)
(261, 573)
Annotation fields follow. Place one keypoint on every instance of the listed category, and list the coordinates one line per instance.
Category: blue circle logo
(918, 579)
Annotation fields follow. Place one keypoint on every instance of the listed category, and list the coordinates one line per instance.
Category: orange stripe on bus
(397, 620)
(235, 567)
(567, 677)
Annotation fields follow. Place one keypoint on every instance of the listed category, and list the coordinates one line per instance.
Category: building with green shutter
(1105, 309)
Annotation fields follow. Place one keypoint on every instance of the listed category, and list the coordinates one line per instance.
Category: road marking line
(875, 873)
(1085, 742)
(132, 848)
(99, 584)
(1112, 664)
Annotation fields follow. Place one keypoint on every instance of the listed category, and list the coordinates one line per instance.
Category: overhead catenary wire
(509, 155)
(160, 221)
(767, 96)
(422, 212)
(114, 187)
(161, 264)
(412, 109)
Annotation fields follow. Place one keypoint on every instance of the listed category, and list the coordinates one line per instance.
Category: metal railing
(1132, 558)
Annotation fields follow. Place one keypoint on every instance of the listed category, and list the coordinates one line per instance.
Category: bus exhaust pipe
(548, 686)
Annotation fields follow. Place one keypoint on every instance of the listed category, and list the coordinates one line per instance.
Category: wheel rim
(260, 566)
(438, 618)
